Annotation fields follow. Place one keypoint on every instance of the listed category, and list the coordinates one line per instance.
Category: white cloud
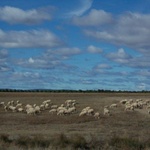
(94, 18)
(83, 7)
(50, 59)
(15, 15)
(28, 39)
(31, 60)
(129, 29)
(120, 56)
(93, 49)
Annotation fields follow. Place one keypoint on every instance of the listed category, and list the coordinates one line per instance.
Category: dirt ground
(135, 124)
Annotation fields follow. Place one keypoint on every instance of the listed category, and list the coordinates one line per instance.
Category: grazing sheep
(106, 111)
(148, 107)
(71, 110)
(123, 101)
(42, 107)
(61, 112)
(18, 102)
(2, 104)
(82, 113)
(53, 111)
(19, 105)
(30, 111)
(113, 105)
(54, 106)
(97, 115)
(129, 107)
(20, 109)
(12, 108)
(37, 109)
(90, 112)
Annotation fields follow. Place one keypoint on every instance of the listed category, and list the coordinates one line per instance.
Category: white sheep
(2, 103)
(71, 110)
(12, 108)
(20, 109)
(129, 107)
(97, 115)
(30, 111)
(106, 111)
(53, 111)
(90, 112)
(113, 105)
(123, 101)
(61, 112)
(82, 113)
(54, 106)
(37, 109)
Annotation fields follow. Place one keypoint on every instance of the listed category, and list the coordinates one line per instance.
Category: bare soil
(134, 124)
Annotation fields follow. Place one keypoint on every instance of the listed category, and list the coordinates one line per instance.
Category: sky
(75, 44)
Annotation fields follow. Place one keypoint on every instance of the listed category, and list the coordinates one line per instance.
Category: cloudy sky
(75, 44)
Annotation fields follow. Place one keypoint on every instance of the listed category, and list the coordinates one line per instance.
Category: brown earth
(134, 124)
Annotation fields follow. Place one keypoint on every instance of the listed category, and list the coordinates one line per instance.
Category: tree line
(72, 91)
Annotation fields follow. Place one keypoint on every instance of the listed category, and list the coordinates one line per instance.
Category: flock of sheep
(71, 106)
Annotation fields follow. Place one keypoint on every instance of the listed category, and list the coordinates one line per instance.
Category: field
(122, 130)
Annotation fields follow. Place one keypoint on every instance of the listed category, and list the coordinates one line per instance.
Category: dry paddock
(134, 124)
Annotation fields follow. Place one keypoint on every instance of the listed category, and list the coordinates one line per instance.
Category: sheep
(61, 112)
(12, 108)
(106, 111)
(90, 112)
(129, 107)
(53, 111)
(113, 105)
(19, 105)
(6, 108)
(12, 102)
(42, 107)
(18, 102)
(30, 111)
(71, 110)
(37, 109)
(28, 106)
(54, 106)
(148, 107)
(135, 105)
(2, 103)
(46, 106)
(20, 109)
(123, 101)
(97, 115)
(82, 113)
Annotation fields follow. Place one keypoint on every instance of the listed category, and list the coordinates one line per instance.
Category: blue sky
(75, 44)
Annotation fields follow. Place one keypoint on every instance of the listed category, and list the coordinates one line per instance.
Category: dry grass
(121, 125)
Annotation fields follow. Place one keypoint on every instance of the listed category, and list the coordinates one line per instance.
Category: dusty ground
(130, 124)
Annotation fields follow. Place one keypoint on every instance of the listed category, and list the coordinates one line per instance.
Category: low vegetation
(125, 130)
(76, 141)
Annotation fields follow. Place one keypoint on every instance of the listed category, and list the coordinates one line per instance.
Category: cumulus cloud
(4, 61)
(50, 59)
(120, 56)
(15, 15)
(93, 49)
(28, 39)
(94, 18)
(83, 7)
(128, 29)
